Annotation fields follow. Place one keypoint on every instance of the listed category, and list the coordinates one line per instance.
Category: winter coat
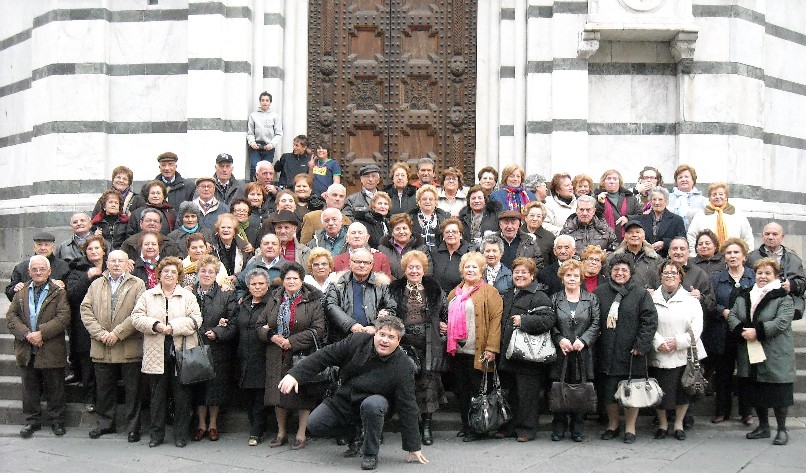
(646, 265)
(182, 314)
(698, 279)
(500, 196)
(380, 263)
(791, 269)
(241, 256)
(226, 196)
(548, 277)
(168, 218)
(312, 223)
(308, 316)
(545, 241)
(711, 265)
(735, 220)
(584, 326)
(452, 208)
(715, 336)
(53, 320)
(435, 302)
(489, 307)
(113, 228)
(355, 202)
(180, 190)
(76, 286)
(417, 229)
(58, 271)
(69, 250)
(339, 303)
(363, 373)
(100, 318)
(773, 323)
(131, 202)
(179, 238)
(537, 316)
(686, 204)
(632, 207)
(215, 305)
(447, 264)
(402, 203)
(676, 317)
(597, 232)
(557, 212)
(242, 328)
(527, 248)
(377, 225)
(669, 226)
(387, 247)
(635, 328)
(503, 280)
(489, 220)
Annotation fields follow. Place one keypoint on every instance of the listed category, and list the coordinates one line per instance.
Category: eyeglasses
(593, 260)
(451, 178)
(361, 262)
(320, 265)
(671, 273)
(450, 232)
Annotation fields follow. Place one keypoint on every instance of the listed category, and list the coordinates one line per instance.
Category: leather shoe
(557, 436)
(369, 462)
(781, 438)
(97, 432)
(154, 443)
(353, 449)
(660, 434)
(610, 434)
(471, 437)
(717, 419)
(254, 440)
(278, 442)
(180, 443)
(58, 429)
(28, 430)
(759, 433)
(688, 421)
(629, 437)
(680, 434)
(214, 434)
(299, 444)
(134, 437)
(199, 434)
(577, 436)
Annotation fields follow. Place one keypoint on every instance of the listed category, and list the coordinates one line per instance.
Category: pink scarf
(516, 199)
(457, 325)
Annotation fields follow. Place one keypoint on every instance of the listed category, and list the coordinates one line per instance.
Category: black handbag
(693, 379)
(194, 364)
(573, 398)
(327, 375)
(489, 410)
(415, 359)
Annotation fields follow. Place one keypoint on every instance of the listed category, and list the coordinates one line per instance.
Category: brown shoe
(199, 434)
(299, 444)
(278, 442)
(717, 419)
(214, 434)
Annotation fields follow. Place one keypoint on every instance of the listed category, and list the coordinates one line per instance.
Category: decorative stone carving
(588, 44)
(683, 50)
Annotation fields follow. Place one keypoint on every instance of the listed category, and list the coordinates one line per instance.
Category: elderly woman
(427, 218)
(720, 217)
(252, 351)
(402, 193)
(422, 308)
(583, 185)
(293, 317)
(488, 179)
(575, 332)
(83, 271)
(189, 215)
(248, 224)
(320, 269)
(561, 204)
(399, 242)
(685, 200)
(512, 194)
(720, 344)
(452, 198)
(217, 305)
(660, 225)
(529, 309)
(761, 319)
(306, 201)
(110, 222)
(679, 325)
(229, 247)
(122, 178)
(145, 265)
(479, 216)
(197, 248)
(533, 223)
(376, 217)
(709, 258)
(628, 322)
(474, 333)
(446, 256)
(495, 273)
(156, 197)
(613, 201)
(257, 197)
(168, 315)
(592, 259)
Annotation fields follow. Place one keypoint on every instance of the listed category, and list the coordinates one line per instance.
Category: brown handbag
(693, 379)
(573, 398)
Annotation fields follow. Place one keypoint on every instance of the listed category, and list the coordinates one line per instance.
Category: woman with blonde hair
(512, 195)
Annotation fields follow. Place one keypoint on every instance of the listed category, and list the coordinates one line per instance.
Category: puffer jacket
(597, 232)
(557, 212)
(339, 303)
(182, 314)
(76, 286)
(402, 203)
(675, 317)
(99, 319)
(113, 228)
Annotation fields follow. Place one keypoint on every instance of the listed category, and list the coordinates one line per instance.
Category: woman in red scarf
(614, 201)
(512, 195)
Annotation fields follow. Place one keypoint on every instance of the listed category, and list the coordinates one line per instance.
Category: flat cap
(44, 236)
(368, 169)
(510, 214)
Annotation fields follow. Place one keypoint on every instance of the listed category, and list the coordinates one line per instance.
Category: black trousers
(83, 368)
(35, 382)
(526, 399)
(724, 365)
(467, 380)
(324, 421)
(159, 385)
(256, 411)
(106, 376)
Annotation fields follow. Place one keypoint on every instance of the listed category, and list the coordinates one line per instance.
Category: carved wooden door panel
(393, 80)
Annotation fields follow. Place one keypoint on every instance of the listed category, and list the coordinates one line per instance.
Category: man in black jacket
(793, 280)
(179, 190)
(374, 376)
(44, 244)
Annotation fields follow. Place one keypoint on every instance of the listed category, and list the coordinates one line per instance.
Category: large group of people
(411, 290)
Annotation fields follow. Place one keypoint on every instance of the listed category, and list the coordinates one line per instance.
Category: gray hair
(586, 198)
(38, 258)
(569, 239)
(425, 160)
(391, 322)
(532, 181)
(660, 190)
(336, 187)
(189, 206)
(493, 239)
(149, 210)
(257, 272)
(263, 164)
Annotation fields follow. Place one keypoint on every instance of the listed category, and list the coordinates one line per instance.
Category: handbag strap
(315, 341)
(483, 387)
(646, 367)
(496, 379)
(580, 364)
(692, 349)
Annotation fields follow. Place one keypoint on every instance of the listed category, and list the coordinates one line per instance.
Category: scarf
(429, 227)
(612, 313)
(151, 273)
(242, 230)
(287, 313)
(610, 216)
(227, 255)
(721, 224)
(125, 193)
(516, 199)
(457, 325)
(758, 293)
(415, 292)
(189, 231)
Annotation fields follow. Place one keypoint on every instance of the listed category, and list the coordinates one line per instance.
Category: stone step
(11, 388)
(6, 343)
(8, 365)
(3, 325)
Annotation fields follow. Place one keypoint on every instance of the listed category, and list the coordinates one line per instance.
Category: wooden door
(393, 80)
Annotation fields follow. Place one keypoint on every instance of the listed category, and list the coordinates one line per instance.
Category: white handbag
(537, 348)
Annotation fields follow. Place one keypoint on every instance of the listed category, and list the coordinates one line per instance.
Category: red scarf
(516, 199)
(610, 216)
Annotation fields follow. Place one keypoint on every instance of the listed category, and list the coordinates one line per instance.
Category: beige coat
(183, 315)
(99, 319)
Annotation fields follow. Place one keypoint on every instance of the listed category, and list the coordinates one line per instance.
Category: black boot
(427, 436)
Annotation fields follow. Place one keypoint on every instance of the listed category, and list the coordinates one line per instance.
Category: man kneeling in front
(373, 374)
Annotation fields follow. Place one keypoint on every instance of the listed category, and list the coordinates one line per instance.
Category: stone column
(295, 62)
(488, 89)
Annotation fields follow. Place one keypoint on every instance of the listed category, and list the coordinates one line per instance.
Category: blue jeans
(323, 421)
(256, 155)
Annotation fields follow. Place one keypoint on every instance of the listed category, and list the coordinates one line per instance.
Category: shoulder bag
(535, 348)
(489, 410)
(327, 375)
(693, 379)
(573, 398)
(639, 392)
(194, 364)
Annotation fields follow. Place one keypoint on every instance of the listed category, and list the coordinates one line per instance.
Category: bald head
(773, 234)
(332, 221)
(357, 235)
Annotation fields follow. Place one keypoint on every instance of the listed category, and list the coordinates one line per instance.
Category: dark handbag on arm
(327, 375)
(573, 398)
(638, 392)
(194, 364)
(489, 410)
(693, 379)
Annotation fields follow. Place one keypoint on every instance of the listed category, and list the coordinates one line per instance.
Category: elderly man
(117, 347)
(426, 172)
(179, 190)
(376, 375)
(517, 243)
(209, 202)
(43, 246)
(269, 259)
(38, 318)
(264, 175)
(312, 221)
(587, 228)
(370, 175)
(357, 298)
(333, 237)
(150, 221)
(71, 249)
(564, 249)
(794, 281)
(358, 238)
(285, 227)
(227, 188)
(647, 260)
(298, 161)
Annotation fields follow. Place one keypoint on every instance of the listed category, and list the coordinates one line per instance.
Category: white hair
(569, 239)
(40, 259)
